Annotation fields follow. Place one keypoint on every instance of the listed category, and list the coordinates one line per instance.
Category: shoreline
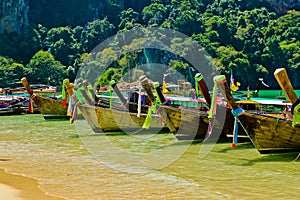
(18, 187)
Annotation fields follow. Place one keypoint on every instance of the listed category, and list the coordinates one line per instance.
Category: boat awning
(184, 99)
(247, 101)
(266, 101)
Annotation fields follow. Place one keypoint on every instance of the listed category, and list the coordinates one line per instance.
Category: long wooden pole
(285, 84)
(118, 92)
(159, 92)
(85, 93)
(203, 87)
(225, 90)
(145, 84)
(27, 87)
(96, 99)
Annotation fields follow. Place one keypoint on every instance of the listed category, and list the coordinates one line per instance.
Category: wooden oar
(203, 87)
(27, 87)
(285, 84)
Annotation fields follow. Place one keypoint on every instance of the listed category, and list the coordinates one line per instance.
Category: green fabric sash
(152, 108)
(197, 79)
(64, 93)
(296, 116)
(111, 89)
(214, 97)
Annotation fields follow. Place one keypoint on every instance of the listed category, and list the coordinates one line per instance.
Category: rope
(296, 158)
(247, 133)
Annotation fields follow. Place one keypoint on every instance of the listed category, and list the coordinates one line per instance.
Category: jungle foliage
(247, 37)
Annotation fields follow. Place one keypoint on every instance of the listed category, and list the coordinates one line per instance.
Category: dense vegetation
(246, 37)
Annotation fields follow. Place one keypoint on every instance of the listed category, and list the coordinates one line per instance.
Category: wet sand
(16, 187)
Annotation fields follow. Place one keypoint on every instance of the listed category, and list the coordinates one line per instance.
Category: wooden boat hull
(11, 111)
(270, 134)
(106, 120)
(51, 108)
(193, 124)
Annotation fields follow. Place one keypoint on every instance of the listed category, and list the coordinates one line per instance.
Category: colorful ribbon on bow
(152, 108)
(111, 89)
(296, 113)
(197, 79)
(64, 93)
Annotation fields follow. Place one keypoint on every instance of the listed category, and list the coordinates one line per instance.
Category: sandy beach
(16, 187)
(7, 192)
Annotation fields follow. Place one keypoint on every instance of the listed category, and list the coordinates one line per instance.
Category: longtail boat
(11, 111)
(12, 105)
(107, 119)
(50, 108)
(268, 133)
(190, 124)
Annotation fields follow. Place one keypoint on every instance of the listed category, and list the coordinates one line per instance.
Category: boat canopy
(247, 101)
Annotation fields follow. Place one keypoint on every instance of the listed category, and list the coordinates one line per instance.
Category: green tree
(154, 14)
(98, 31)
(128, 16)
(10, 72)
(62, 44)
(43, 68)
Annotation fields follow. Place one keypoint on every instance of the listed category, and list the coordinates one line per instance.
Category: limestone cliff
(14, 15)
(282, 6)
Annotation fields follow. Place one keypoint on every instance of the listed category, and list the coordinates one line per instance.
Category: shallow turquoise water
(71, 161)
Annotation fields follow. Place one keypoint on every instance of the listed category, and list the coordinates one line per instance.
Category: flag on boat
(234, 87)
(165, 87)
